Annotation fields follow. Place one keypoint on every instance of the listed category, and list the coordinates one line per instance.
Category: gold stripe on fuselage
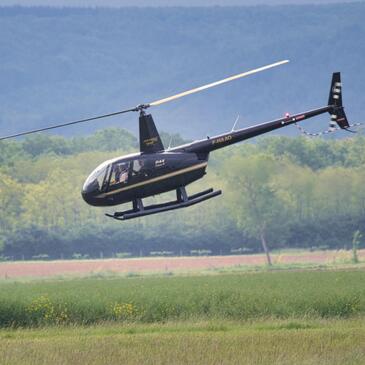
(155, 179)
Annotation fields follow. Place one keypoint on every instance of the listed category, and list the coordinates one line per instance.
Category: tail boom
(334, 108)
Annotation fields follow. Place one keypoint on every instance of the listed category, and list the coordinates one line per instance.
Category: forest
(296, 192)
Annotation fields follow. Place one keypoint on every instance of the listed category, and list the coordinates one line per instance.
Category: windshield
(97, 177)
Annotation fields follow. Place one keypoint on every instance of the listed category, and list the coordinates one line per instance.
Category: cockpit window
(97, 177)
(138, 167)
(120, 173)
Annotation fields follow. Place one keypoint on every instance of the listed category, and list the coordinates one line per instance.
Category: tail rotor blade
(216, 83)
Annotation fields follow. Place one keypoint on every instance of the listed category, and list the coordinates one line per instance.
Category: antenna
(238, 117)
(169, 147)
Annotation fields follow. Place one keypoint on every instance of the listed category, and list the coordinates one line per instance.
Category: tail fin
(335, 102)
(149, 139)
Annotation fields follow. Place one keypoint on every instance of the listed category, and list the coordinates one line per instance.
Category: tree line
(278, 192)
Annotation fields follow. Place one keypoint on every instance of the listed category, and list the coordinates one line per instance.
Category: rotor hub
(142, 107)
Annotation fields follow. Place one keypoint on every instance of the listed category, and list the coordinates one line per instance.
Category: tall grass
(270, 342)
(324, 294)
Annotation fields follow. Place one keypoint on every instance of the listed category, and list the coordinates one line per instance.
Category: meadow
(268, 342)
(145, 299)
(280, 317)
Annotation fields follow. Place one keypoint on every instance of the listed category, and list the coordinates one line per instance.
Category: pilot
(121, 173)
(118, 171)
(124, 175)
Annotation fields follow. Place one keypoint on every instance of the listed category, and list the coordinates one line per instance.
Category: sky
(120, 3)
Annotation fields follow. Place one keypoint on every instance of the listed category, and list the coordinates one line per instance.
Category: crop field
(9, 270)
(269, 342)
(314, 294)
(287, 317)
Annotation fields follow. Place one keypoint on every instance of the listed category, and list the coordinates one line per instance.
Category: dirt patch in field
(10, 270)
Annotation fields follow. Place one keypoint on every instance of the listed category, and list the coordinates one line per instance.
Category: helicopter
(155, 169)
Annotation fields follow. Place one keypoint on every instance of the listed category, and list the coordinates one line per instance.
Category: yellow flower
(123, 310)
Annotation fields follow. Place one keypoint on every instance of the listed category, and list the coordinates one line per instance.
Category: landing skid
(182, 201)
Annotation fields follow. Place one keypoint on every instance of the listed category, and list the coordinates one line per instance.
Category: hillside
(61, 64)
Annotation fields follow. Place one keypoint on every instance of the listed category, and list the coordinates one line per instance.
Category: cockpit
(111, 176)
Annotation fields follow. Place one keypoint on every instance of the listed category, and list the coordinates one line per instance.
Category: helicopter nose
(86, 196)
(89, 191)
(91, 199)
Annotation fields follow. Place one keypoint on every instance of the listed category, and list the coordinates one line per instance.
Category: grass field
(271, 342)
(303, 294)
(283, 317)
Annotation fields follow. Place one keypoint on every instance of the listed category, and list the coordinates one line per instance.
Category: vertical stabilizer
(335, 101)
(335, 97)
(149, 139)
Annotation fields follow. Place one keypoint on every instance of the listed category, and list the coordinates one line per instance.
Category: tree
(253, 199)
(355, 245)
(10, 203)
(38, 144)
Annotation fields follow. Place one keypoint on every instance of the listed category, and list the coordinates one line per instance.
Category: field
(282, 317)
(21, 269)
(269, 342)
(307, 294)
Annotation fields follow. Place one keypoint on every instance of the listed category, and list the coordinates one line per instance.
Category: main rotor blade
(228, 79)
(66, 124)
(141, 107)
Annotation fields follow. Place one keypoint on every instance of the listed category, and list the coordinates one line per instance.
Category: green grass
(274, 342)
(305, 294)
(276, 318)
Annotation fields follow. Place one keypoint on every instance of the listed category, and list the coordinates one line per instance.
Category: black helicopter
(155, 170)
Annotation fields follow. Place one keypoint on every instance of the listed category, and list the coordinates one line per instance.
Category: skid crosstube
(182, 201)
